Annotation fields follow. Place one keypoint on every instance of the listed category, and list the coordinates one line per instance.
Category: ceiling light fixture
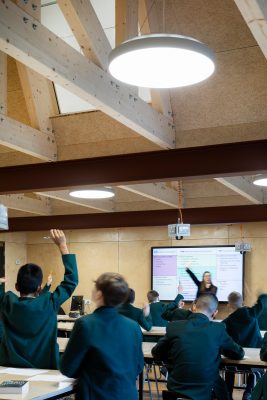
(260, 180)
(92, 193)
(161, 61)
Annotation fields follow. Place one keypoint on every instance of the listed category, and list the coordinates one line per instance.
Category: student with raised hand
(48, 284)
(178, 313)
(30, 320)
(157, 307)
(142, 316)
(205, 286)
(242, 325)
(105, 349)
(192, 350)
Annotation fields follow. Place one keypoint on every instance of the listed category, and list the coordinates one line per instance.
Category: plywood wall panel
(128, 251)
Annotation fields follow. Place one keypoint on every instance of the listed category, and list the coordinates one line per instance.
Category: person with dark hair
(105, 349)
(205, 286)
(192, 350)
(29, 320)
(157, 307)
(242, 325)
(143, 316)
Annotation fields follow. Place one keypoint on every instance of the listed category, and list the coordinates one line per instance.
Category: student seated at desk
(242, 325)
(157, 307)
(30, 321)
(192, 349)
(105, 349)
(260, 390)
(141, 316)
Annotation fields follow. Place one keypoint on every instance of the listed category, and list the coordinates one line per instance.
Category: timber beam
(194, 216)
(231, 159)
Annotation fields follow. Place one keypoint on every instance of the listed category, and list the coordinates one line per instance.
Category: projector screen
(169, 268)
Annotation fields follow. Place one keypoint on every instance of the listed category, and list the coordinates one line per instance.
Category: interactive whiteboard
(169, 268)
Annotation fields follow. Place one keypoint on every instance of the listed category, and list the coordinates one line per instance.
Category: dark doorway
(2, 259)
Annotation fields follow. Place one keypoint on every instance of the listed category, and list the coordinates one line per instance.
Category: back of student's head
(207, 303)
(114, 288)
(235, 300)
(130, 297)
(152, 295)
(29, 278)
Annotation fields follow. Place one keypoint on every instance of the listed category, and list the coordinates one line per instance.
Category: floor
(237, 394)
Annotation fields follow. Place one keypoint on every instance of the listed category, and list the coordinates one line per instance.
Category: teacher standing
(205, 286)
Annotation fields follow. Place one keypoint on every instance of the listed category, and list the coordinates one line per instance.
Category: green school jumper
(242, 325)
(30, 324)
(105, 354)
(192, 349)
(129, 311)
(260, 390)
(158, 308)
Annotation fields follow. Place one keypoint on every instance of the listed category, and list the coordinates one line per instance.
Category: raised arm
(259, 306)
(65, 289)
(145, 320)
(47, 286)
(193, 276)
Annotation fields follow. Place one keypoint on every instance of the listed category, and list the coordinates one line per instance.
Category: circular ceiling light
(161, 61)
(260, 180)
(92, 194)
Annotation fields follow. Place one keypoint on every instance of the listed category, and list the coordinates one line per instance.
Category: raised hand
(59, 239)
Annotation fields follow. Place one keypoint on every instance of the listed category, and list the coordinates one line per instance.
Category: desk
(65, 326)
(66, 318)
(38, 390)
(155, 331)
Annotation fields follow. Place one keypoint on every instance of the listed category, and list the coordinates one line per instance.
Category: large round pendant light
(260, 180)
(92, 193)
(161, 61)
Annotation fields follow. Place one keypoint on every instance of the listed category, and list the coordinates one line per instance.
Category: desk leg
(141, 385)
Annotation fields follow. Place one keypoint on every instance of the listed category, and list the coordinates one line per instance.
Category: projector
(242, 247)
(178, 231)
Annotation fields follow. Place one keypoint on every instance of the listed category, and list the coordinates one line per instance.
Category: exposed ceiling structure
(211, 137)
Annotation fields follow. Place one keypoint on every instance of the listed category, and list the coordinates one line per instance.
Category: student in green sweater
(29, 320)
(260, 390)
(192, 349)
(141, 316)
(242, 325)
(105, 349)
(157, 307)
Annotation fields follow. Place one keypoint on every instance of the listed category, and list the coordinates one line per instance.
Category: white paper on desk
(52, 378)
(64, 385)
(23, 371)
(13, 396)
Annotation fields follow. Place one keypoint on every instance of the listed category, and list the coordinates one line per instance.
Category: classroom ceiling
(228, 108)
